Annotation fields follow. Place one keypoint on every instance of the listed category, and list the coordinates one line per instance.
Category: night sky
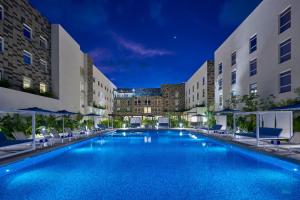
(146, 43)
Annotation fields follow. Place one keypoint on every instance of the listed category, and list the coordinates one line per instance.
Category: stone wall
(210, 83)
(16, 13)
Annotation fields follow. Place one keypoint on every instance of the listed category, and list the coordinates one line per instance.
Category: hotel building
(149, 101)
(41, 65)
(199, 89)
(262, 55)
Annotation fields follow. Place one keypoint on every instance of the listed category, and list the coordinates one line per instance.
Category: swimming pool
(150, 165)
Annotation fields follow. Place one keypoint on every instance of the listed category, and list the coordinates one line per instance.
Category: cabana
(135, 122)
(93, 115)
(270, 125)
(12, 147)
(64, 113)
(163, 122)
(221, 117)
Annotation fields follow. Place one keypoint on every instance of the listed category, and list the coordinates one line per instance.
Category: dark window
(285, 51)
(220, 68)
(203, 81)
(285, 82)
(253, 44)
(197, 95)
(1, 12)
(233, 58)
(203, 93)
(1, 45)
(1, 74)
(220, 84)
(285, 20)
(233, 77)
(43, 43)
(197, 85)
(27, 32)
(27, 58)
(253, 67)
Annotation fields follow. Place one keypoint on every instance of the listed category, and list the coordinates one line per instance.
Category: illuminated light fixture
(295, 169)
(7, 170)
(180, 133)
(180, 125)
(203, 144)
(124, 134)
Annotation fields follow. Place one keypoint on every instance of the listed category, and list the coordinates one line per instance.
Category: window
(27, 32)
(176, 94)
(43, 88)
(253, 44)
(233, 58)
(197, 95)
(147, 110)
(285, 82)
(220, 84)
(233, 77)
(253, 67)
(220, 68)
(193, 89)
(220, 100)
(203, 93)
(1, 12)
(203, 81)
(253, 88)
(43, 65)
(26, 82)
(197, 85)
(27, 58)
(43, 42)
(1, 44)
(1, 74)
(285, 20)
(285, 51)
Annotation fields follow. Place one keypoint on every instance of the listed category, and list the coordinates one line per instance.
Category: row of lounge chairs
(21, 141)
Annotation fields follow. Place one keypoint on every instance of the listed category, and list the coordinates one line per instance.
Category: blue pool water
(150, 165)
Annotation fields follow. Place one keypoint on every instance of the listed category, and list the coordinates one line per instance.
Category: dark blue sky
(146, 43)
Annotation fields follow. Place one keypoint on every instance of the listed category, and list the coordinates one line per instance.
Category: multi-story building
(199, 89)
(149, 101)
(262, 55)
(103, 92)
(41, 65)
(173, 96)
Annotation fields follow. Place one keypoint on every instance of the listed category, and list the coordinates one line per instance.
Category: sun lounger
(21, 136)
(214, 129)
(5, 142)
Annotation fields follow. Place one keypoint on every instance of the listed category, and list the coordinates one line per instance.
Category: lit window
(27, 32)
(233, 58)
(220, 68)
(27, 58)
(147, 110)
(253, 67)
(43, 88)
(285, 82)
(233, 77)
(176, 94)
(253, 44)
(285, 51)
(220, 83)
(26, 82)
(1, 12)
(1, 44)
(43, 42)
(253, 88)
(285, 20)
(43, 65)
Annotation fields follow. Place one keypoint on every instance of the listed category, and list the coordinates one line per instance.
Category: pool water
(152, 165)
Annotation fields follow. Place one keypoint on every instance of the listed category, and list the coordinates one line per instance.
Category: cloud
(139, 49)
(233, 12)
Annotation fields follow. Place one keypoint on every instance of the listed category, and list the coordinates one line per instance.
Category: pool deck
(12, 159)
(273, 150)
(250, 144)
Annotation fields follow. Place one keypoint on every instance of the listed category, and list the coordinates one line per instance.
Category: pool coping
(43, 150)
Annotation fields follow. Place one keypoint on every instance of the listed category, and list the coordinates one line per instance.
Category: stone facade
(16, 14)
(149, 101)
(174, 98)
(210, 83)
(89, 65)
